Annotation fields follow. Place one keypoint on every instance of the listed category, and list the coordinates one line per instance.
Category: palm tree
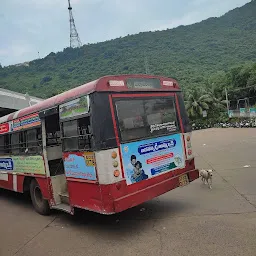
(217, 101)
(197, 102)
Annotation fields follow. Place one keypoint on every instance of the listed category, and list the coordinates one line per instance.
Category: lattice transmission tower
(74, 37)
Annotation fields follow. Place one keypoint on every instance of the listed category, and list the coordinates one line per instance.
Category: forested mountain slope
(190, 54)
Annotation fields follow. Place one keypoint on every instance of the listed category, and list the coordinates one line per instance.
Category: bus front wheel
(40, 204)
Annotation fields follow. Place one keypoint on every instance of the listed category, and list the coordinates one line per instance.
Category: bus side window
(70, 135)
(52, 131)
(39, 139)
(15, 140)
(77, 134)
(22, 142)
(84, 133)
(2, 144)
(7, 144)
(32, 144)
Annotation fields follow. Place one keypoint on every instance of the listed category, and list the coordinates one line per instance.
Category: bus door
(53, 156)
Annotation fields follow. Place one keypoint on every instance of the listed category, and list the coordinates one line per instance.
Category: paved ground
(187, 221)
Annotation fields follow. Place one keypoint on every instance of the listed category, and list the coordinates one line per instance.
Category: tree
(216, 100)
(197, 102)
(83, 102)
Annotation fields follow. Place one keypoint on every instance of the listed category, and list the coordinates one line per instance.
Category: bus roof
(100, 85)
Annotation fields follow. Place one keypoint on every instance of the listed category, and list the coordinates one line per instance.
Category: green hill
(190, 54)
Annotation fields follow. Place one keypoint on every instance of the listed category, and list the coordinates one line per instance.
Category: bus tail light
(188, 146)
(114, 154)
(115, 164)
(116, 173)
(109, 166)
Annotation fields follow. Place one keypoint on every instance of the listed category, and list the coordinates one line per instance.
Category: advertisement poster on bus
(6, 164)
(5, 128)
(80, 165)
(74, 108)
(26, 122)
(23, 164)
(148, 158)
(29, 164)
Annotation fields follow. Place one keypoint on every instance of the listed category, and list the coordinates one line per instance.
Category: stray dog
(206, 176)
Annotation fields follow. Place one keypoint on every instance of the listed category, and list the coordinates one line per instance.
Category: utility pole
(226, 92)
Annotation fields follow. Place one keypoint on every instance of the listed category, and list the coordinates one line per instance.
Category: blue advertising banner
(80, 165)
(6, 164)
(148, 158)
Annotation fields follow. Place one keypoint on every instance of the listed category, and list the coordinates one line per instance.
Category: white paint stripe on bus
(14, 182)
(4, 176)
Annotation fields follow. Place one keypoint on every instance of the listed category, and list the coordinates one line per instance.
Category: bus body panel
(44, 184)
(15, 182)
(85, 195)
(118, 196)
(110, 192)
(12, 181)
(6, 181)
(109, 166)
(150, 192)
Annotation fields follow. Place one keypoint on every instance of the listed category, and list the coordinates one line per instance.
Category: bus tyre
(40, 204)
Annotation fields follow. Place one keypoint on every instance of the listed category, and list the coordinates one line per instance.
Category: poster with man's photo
(147, 158)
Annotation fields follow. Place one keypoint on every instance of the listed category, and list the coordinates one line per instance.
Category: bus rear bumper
(151, 192)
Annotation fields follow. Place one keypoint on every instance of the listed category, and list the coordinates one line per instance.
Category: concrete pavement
(187, 221)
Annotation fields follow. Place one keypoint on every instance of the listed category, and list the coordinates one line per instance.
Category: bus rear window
(145, 118)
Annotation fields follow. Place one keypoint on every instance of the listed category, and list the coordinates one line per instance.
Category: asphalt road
(187, 221)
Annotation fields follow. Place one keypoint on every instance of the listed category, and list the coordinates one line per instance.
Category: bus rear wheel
(40, 204)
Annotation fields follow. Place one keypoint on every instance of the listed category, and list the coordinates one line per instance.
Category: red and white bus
(104, 146)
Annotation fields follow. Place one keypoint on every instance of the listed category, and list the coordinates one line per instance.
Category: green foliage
(240, 83)
(45, 79)
(198, 56)
(197, 102)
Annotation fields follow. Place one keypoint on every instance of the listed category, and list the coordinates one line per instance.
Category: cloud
(19, 52)
(20, 49)
(199, 2)
(3, 52)
(45, 4)
(75, 2)
(191, 18)
(40, 4)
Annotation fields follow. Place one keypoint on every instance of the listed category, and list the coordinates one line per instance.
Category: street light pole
(226, 92)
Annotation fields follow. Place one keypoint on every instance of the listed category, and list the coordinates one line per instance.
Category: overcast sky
(29, 26)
